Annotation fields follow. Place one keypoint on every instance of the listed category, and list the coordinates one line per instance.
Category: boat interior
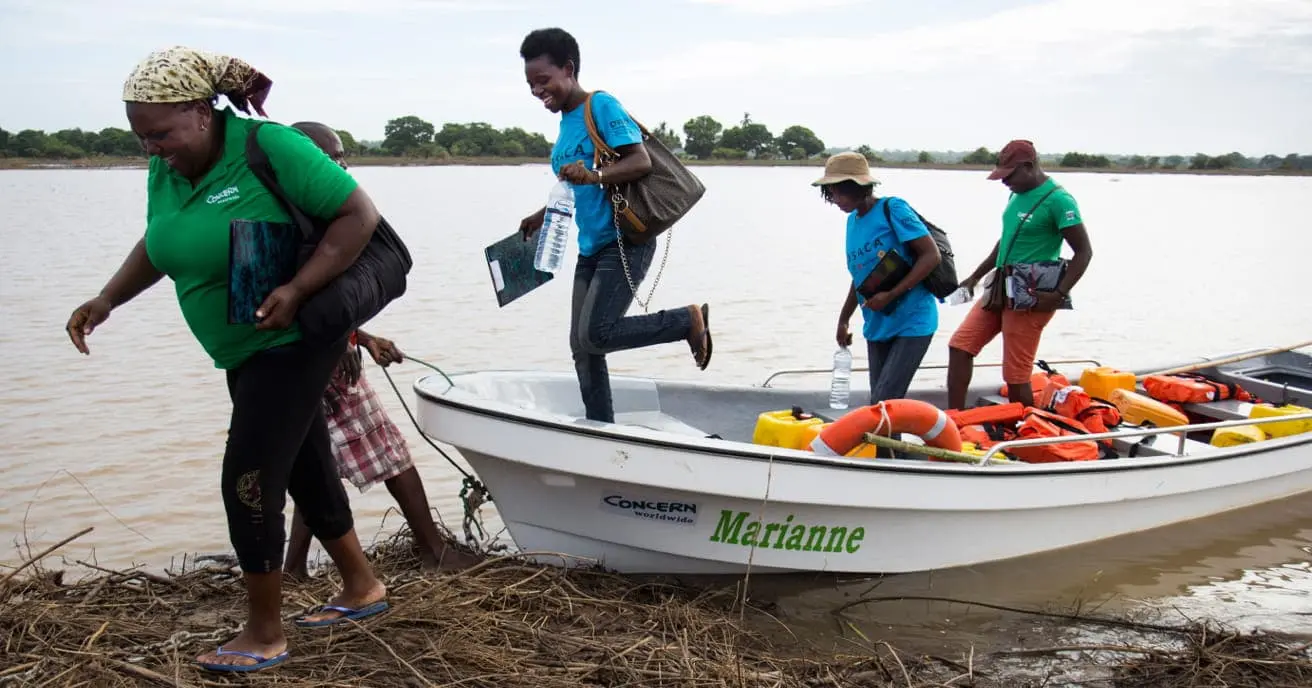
(732, 413)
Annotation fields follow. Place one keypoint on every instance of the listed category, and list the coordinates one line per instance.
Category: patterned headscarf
(180, 75)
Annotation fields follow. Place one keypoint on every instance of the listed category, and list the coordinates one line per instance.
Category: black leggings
(278, 444)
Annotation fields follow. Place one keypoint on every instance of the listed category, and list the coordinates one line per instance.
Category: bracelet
(599, 177)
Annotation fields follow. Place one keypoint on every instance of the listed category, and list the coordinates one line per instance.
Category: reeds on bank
(505, 623)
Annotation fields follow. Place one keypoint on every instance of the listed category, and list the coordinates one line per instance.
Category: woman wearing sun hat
(889, 255)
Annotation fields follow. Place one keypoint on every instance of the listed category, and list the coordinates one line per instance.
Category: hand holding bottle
(531, 224)
(963, 294)
(844, 335)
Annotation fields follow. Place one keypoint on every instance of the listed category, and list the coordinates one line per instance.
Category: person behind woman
(602, 292)
(367, 446)
(199, 185)
(900, 320)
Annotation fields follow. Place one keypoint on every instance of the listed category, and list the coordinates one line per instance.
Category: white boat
(675, 485)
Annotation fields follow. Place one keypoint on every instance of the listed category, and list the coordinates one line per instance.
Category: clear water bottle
(958, 297)
(840, 380)
(553, 237)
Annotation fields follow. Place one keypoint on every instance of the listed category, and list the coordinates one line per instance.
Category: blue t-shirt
(916, 312)
(593, 213)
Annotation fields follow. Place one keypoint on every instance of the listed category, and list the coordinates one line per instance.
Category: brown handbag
(646, 207)
(996, 298)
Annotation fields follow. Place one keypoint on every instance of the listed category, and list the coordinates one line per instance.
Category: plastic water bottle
(840, 380)
(553, 237)
(958, 297)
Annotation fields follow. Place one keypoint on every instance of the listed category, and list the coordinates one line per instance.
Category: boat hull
(642, 501)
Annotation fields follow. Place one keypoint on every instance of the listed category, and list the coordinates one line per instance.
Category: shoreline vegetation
(508, 623)
(413, 141)
(137, 162)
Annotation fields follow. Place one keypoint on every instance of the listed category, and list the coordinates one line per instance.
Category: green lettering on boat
(816, 540)
(735, 528)
(753, 530)
(854, 540)
(836, 536)
(783, 530)
(795, 540)
(726, 530)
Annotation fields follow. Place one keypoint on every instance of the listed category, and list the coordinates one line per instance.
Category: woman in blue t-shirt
(900, 318)
(604, 279)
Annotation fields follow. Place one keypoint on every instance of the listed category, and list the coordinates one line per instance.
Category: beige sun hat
(845, 166)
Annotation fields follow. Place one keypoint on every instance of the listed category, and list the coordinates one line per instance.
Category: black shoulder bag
(375, 279)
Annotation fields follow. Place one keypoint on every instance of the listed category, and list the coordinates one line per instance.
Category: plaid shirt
(368, 446)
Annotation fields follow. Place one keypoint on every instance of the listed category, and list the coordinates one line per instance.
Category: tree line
(703, 138)
(407, 136)
(1199, 161)
(706, 138)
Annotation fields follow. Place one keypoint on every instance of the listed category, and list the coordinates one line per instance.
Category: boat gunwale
(796, 456)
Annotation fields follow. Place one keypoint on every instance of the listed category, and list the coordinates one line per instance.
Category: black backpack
(942, 279)
(375, 279)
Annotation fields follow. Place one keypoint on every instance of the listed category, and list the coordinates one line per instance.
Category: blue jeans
(597, 324)
(893, 362)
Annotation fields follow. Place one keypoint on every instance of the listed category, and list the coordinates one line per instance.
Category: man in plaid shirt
(368, 446)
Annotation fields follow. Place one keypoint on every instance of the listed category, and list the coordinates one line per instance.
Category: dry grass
(501, 623)
(506, 623)
(1210, 656)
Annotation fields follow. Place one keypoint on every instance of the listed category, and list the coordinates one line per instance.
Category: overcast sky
(1110, 76)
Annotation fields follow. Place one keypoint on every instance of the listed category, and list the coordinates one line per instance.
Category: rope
(884, 420)
(406, 406)
(473, 493)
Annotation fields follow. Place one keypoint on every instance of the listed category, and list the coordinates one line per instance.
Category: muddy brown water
(129, 439)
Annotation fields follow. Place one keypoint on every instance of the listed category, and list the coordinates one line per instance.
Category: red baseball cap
(1013, 155)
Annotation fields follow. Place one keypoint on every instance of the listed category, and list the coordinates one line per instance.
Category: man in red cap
(1040, 214)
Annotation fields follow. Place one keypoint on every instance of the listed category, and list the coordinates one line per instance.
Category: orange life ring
(894, 415)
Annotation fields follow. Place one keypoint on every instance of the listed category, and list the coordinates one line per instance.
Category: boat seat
(1220, 410)
(1158, 445)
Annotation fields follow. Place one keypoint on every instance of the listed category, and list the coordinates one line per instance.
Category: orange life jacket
(1188, 388)
(1039, 423)
(1006, 414)
(985, 435)
(1044, 399)
(1097, 415)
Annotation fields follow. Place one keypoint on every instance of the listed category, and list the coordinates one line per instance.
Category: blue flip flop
(347, 613)
(261, 662)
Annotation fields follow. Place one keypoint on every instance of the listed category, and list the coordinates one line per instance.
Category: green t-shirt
(1041, 236)
(187, 228)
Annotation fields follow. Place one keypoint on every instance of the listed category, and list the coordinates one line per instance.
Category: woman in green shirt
(200, 190)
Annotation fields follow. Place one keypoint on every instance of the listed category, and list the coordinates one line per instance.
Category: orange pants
(1020, 338)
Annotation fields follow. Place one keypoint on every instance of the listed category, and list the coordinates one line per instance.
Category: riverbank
(101, 163)
(508, 624)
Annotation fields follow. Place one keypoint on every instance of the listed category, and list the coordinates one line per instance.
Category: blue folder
(262, 256)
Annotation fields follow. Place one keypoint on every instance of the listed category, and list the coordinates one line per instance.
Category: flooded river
(129, 439)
